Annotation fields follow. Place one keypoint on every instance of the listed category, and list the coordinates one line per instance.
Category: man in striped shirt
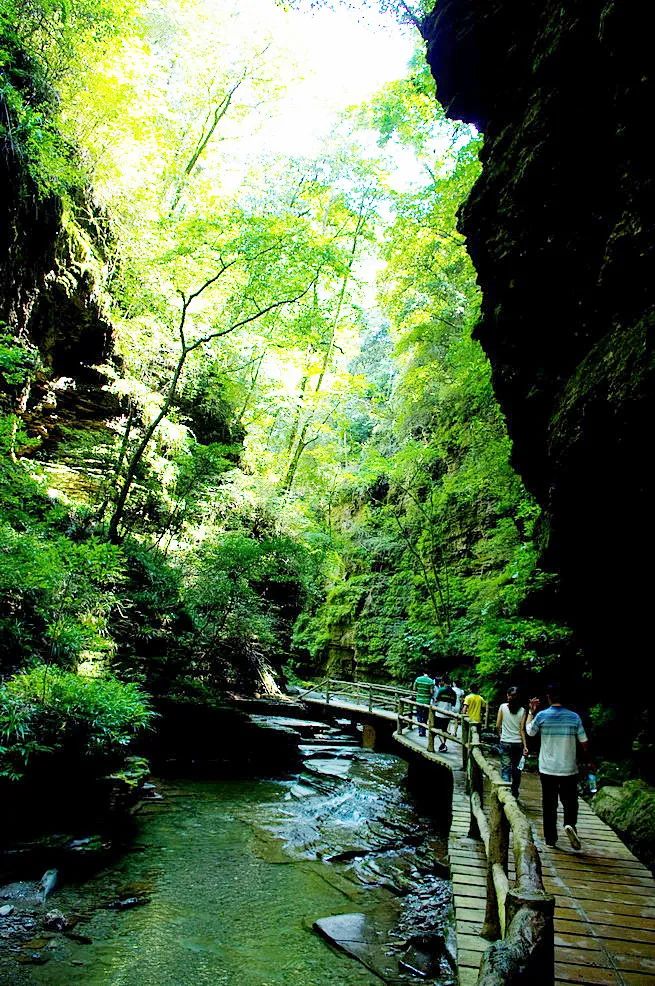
(561, 731)
(423, 686)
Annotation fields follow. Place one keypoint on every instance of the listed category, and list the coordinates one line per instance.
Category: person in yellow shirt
(473, 706)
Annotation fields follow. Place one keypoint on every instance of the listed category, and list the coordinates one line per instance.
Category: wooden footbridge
(525, 913)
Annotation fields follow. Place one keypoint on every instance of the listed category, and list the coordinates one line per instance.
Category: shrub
(50, 711)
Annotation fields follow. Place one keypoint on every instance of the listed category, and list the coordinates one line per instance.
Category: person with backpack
(510, 724)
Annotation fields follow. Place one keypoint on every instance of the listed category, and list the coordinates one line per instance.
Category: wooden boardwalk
(604, 897)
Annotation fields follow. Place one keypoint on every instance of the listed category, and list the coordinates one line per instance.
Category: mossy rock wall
(54, 263)
(630, 810)
(560, 226)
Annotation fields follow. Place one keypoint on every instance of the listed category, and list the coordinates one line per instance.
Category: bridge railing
(411, 713)
(519, 913)
(372, 696)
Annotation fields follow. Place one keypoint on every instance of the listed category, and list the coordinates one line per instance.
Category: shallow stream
(230, 876)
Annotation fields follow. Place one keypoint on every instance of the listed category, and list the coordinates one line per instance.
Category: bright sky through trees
(340, 58)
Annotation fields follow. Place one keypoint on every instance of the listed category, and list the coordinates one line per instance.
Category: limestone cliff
(560, 228)
(53, 261)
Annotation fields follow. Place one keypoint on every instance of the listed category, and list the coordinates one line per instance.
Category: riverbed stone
(422, 955)
(337, 769)
(33, 958)
(359, 936)
(55, 920)
(22, 890)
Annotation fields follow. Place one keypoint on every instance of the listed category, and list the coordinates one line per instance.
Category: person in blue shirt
(561, 731)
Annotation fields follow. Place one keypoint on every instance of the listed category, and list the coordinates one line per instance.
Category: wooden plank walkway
(604, 897)
(468, 863)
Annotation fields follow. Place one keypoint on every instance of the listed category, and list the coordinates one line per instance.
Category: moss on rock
(630, 810)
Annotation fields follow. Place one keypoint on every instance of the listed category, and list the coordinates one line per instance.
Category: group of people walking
(560, 730)
(447, 697)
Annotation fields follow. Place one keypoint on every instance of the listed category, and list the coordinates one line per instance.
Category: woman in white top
(513, 745)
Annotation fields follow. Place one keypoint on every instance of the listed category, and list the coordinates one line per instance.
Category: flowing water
(228, 876)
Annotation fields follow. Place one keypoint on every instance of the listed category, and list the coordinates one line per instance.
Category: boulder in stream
(127, 903)
(55, 921)
(359, 936)
(422, 955)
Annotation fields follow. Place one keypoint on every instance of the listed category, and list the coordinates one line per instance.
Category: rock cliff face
(51, 274)
(560, 228)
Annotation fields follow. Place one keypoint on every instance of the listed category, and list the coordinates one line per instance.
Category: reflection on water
(236, 872)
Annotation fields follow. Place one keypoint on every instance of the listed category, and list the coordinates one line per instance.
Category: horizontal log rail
(385, 697)
(519, 913)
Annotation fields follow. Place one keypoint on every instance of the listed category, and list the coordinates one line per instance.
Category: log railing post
(327, 692)
(430, 725)
(400, 706)
(497, 857)
(466, 739)
(370, 698)
(475, 783)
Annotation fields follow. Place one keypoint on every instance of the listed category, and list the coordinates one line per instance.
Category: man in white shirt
(560, 730)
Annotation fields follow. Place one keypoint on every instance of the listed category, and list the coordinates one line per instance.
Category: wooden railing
(366, 693)
(408, 709)
(519, 914)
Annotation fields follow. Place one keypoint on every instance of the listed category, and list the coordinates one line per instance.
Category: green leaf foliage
(50, 711)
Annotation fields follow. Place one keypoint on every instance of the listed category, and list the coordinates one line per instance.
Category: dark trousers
(422, 716)
(564, 788)
(510, 757)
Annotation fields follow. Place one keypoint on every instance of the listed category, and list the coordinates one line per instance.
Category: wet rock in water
(55, 921)
(36, 943)
(80, 939)
(48, 883)
(126, 903)
(422, 955)
(394, 873)
(33, 958)
(358, 936)
(268, 848)
(334, 769)
(90, 844)
(323, 750)
(303, 727)
(23, 891)
(7, 910)
(346, 855)
(300, 791)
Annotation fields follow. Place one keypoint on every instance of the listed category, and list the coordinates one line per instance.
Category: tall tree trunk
(209, 126)
(301, 445)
